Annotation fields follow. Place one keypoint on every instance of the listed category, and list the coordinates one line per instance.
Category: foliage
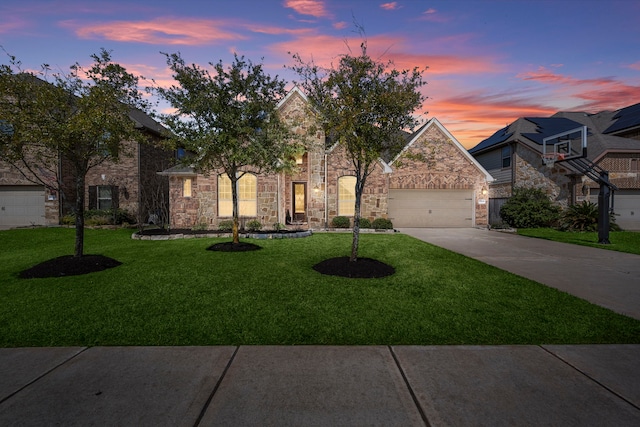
(382, 224)
(366, 104)
(229, 120)
(529, 208)
(81, 117)
(278, 226)
(365, 223)
(584, 217)
(253, 225)
(175, 295)
(101, 217)
(341, 222)
(226, 225)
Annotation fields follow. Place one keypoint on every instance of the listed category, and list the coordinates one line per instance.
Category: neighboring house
(131, 184)
(431, 182)
(513, 157)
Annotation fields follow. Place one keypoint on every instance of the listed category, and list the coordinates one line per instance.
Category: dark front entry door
(299, 201)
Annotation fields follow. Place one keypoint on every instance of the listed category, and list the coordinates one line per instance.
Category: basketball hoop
(549, 159)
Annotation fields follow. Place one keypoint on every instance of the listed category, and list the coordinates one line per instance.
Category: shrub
(365, 223)
(226, 225)
(68, 220)
(278, 226)
(254, 225)
(529, 208)
(382, 224)
(584, 217)
(98, 220)
(341, 222)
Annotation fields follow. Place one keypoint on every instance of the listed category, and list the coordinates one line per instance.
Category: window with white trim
(247, 196)
(347, 195)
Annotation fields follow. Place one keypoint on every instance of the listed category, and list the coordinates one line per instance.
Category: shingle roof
(600, 127)
(625, 118)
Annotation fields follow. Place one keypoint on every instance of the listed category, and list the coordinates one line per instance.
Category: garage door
(626, 205)
(21, 205)
(431, 208)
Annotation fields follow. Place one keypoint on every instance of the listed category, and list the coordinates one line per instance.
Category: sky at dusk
(489, 62)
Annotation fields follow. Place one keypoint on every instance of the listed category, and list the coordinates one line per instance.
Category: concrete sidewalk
(607, 278)
(321, 386)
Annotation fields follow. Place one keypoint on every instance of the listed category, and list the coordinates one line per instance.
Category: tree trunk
(356, 219)
(79, 245)
(234, 198)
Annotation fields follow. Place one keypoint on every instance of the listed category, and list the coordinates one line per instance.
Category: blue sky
(490, 62)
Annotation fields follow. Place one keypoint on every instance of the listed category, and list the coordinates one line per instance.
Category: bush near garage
(529, 208)
(584, 217)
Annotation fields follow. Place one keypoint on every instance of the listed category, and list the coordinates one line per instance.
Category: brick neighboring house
(513, 157)
(432, 182)
(131, 184)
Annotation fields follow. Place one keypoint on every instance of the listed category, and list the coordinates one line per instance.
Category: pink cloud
(326, 49)
(389, 6)
(432, 15)
(340, 25)
(308, 7)
(12, 25)
(595, 94)
(158, 31)
(635, 66)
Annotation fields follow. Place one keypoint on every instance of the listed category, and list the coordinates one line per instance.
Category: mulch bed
(234, 247)
(362, 268)
(69, 266)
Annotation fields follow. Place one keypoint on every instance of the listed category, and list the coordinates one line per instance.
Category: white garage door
(626, 205)
(431, 208)
(21, 205)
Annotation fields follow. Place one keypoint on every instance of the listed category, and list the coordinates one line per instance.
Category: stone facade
(433, 161)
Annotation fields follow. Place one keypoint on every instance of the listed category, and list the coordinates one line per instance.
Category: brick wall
(433, 161)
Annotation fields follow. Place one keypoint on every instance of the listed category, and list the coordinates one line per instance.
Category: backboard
(568, 145)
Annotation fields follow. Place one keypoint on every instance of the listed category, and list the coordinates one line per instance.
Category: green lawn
(622, 241)
(178, 293)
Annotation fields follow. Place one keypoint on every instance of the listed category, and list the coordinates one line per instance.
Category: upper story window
(506, 157)
(347, 195)
(635, 165)
(247, 196)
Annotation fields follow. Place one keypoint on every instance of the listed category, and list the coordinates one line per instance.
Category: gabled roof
(435, 122)
(532, 130)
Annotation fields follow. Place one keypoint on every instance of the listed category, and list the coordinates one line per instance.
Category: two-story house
(131, 184)
(513, 157)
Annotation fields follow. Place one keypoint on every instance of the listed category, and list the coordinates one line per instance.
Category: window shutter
(93, 197)
(115, 204)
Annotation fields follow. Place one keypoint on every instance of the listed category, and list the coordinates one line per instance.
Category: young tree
(228, 119)
(366, 104)
(80, 119)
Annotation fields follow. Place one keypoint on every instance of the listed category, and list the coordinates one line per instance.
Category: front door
(299, 201)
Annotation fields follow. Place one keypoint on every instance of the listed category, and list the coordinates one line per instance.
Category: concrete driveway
(608, 278)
